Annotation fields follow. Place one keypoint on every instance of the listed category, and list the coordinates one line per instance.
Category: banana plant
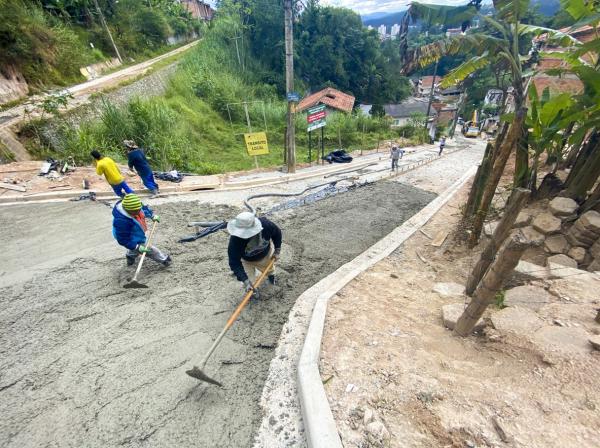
(547, 118)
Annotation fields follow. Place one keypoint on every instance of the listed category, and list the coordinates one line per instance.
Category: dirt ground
(84, 362)
(396, 377)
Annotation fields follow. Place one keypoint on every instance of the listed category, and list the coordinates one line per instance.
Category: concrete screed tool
(198, 372)
(133, 283)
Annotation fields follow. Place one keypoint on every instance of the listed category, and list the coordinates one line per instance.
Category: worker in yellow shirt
(107, 167)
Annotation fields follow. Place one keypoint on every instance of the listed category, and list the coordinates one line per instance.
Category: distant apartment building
(426, 84)
(370, 27)
(493, 97)
(453, 32)
(395, 30)
(382, 31)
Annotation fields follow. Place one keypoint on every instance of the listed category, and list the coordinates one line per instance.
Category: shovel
(134, 282)
(198, 372)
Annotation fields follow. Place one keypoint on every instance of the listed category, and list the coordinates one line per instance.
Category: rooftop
(330, 97)
(407, 108)
(558, 85)
(427, 81)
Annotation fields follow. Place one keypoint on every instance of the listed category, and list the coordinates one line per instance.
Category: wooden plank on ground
(12, 187)
(439, 238)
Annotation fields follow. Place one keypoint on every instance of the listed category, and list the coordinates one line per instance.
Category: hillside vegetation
(198, 124)
(49, 40)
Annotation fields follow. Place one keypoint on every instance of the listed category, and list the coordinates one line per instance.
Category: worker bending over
(136, 159)
(252, 244)
(129, 229)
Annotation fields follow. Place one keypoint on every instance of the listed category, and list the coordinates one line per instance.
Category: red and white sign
(315, 117)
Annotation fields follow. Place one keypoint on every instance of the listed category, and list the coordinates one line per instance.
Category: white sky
(370, 6)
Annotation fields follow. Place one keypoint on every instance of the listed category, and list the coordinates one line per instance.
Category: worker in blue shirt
(136, 159)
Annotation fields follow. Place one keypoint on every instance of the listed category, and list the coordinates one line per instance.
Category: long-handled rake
(198, 372)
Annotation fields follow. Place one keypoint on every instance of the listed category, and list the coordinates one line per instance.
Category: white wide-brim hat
(245, 225)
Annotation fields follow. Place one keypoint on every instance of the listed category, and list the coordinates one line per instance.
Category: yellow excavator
(471, 128)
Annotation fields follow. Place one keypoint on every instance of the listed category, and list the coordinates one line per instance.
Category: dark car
(338, 156)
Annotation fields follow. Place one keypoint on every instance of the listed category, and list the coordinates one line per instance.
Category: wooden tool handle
(137, 271)
(249, 294)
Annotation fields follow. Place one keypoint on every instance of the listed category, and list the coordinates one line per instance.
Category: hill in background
(546, 7)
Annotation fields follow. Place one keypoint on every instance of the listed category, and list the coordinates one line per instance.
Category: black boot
(271, 279)
(130, 260)
(167, 262)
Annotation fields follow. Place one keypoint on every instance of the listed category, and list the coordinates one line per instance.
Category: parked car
(338, 156)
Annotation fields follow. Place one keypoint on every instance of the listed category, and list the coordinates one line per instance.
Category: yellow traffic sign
(256, 143)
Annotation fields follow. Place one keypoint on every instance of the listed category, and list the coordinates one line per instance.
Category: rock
(563, 260)
(547, 224)
(369, 416)
(595, 249)
(449, 289)
(594, 265)
(566, 340)
(527, 296)
(452, 312)
(595, 341)
(533, 235)
(577, 254)
(490, 227)
(351, 388)
(377, 434)
(521, 321)
(579, 236)
(562, 206)
(523, 219)
(556, 244)
(591, 221)
(531, 271)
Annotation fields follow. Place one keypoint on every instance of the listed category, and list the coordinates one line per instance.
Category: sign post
(316, 118)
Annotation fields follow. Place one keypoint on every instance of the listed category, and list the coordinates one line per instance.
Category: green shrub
(154, 26)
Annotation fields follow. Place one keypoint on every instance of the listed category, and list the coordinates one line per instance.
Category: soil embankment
(85, 362)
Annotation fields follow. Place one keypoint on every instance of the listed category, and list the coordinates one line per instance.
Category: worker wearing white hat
(252, 243)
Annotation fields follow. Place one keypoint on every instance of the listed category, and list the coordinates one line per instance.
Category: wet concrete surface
(86, 363)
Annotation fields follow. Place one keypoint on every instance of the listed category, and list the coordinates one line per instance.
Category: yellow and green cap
(132, 202)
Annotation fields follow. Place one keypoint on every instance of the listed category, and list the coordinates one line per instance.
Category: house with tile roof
(332, 98)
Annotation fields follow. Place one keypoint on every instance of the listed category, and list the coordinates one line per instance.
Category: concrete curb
(319, 424)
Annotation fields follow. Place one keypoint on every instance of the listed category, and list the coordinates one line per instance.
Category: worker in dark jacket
(136, 159)
(252, 244)
(129, 229)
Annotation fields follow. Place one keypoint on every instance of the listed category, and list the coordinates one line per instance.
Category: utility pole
(431, 93)
(458, 108)
(107, 31)
(289, 87)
